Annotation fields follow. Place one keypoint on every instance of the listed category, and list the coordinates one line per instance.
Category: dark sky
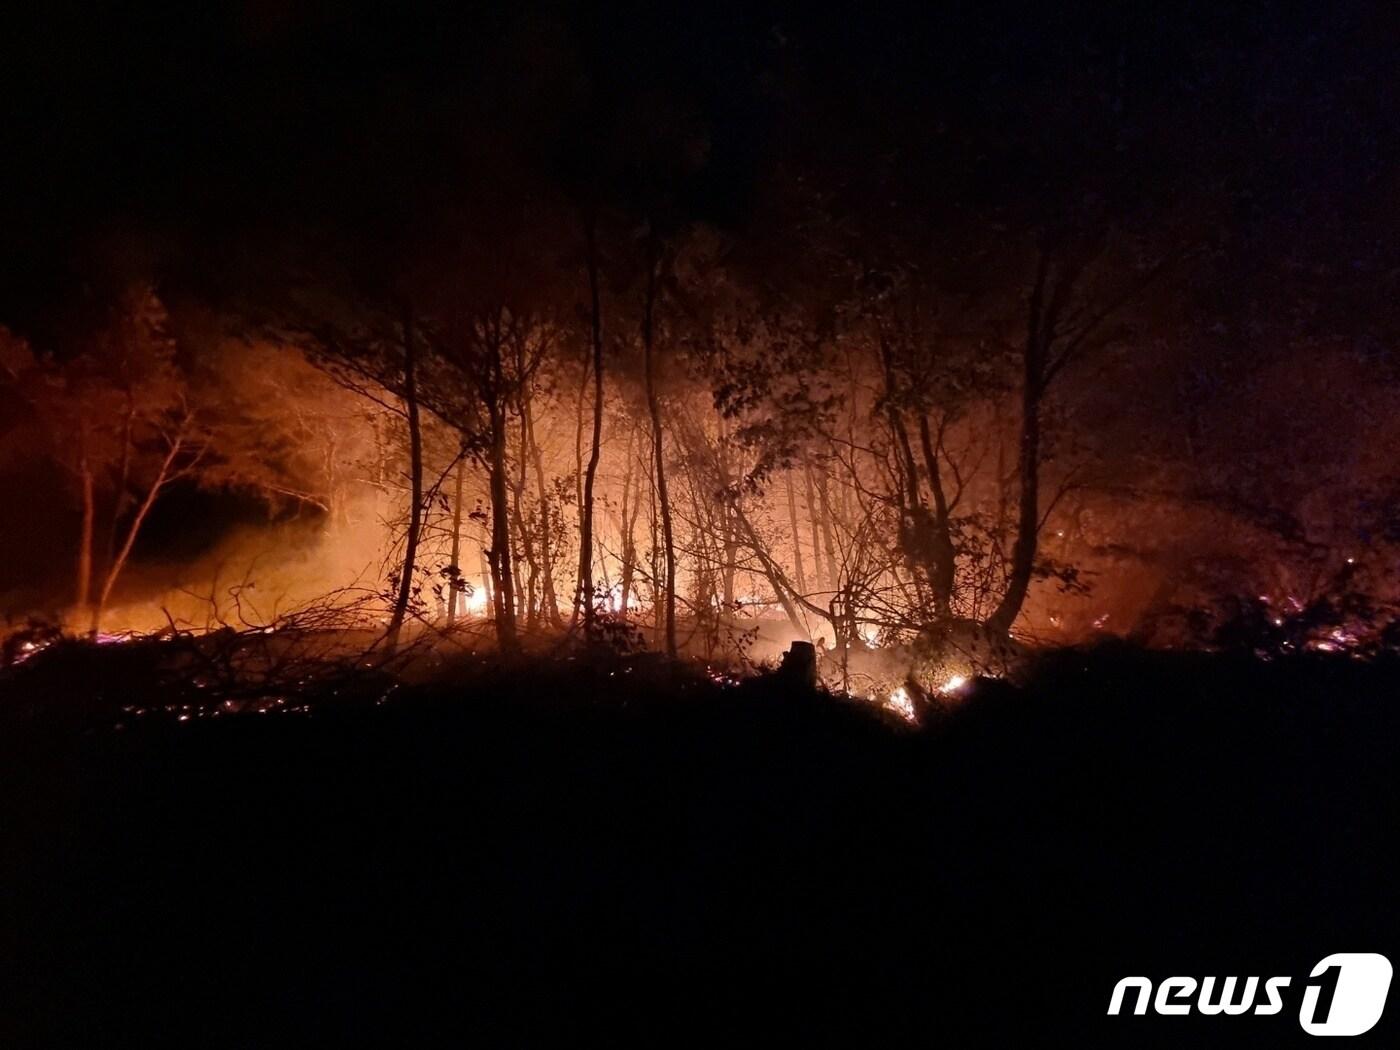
(164, 136)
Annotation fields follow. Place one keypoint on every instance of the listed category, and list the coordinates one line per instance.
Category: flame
(614, 600)
(474, 603)
(901, 703)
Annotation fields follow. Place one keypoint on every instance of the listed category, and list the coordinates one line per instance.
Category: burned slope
(573, 849)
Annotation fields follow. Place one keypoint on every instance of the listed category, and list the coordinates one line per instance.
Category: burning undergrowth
(302, 669)
(335, 659)
(185, 676)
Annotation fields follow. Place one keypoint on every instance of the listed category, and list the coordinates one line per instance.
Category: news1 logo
(1344, 995)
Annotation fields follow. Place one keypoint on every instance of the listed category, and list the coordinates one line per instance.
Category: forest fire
(573, 524)
(609, 436)
(407, 487)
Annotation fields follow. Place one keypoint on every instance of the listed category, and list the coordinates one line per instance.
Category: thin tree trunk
(1028, 518)
(729, 563)
(500, 553)
(944, 567)
(1028, 456)
(549, 602)
(631, 500)
(578, 484)
(654, 412)
(821, 581)
(796, 537)
(833, 566)
(729, 544)
(585, 555)
(454, 569)
(708, 614)
(657, 606)
(629, 564)
(526, 604)
(782, 588)
(119, 561)
(486, 587)
(84, 582)
(123, 494)
(415, 485)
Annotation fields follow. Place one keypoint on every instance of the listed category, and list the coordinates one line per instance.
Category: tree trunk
(727, 545)
(1028, 518)
(578, 483)
(833, 566)
(487, 590)
(123, 490)
(654, 521)
(585, 554)
(820, 582)
(415, 486)
(454, 568)
(796, 537)
(658, 449)
(707, 612)
(84, 582)
(782, 588)
(503, 583)
(922, 534)
(942, 575)
(549, 602)
(631, 500)
(1028, 456)
(119, 561)
(526, 604)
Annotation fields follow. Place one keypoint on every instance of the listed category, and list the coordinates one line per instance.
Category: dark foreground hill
(592, 855)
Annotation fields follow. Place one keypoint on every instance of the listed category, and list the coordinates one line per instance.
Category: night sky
(186, 136)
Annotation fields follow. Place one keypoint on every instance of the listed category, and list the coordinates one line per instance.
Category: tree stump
(799, 666)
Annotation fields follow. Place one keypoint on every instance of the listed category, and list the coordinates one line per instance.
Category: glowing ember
(953, 684)
(25, 650)
(720, 677)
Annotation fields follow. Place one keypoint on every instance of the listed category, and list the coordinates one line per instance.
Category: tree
(584, 594)
(378, 357)
(650, 296)
(119, 422)
(1067, 314)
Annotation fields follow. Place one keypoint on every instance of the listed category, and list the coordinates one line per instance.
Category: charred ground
(616, 849)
